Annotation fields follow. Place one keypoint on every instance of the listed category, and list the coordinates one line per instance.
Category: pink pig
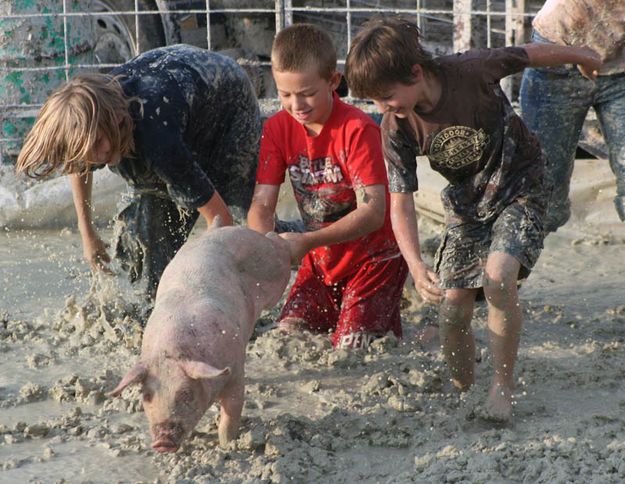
(193, 350)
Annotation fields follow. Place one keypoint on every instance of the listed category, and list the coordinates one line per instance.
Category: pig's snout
(166, 437)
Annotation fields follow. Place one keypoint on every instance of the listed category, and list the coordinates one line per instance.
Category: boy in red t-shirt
(352, 272)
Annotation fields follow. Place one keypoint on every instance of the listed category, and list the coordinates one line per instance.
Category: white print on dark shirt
(315, 172)
(457, 146)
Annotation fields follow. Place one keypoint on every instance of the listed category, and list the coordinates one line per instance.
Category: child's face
(399, 99)
(103, 152)
(307, 96)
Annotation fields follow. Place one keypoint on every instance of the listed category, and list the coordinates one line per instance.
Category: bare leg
(505, 319)
(231, 408)
(456, 336)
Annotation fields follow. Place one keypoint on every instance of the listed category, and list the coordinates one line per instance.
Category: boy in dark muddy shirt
(452, 112)
(180, 124)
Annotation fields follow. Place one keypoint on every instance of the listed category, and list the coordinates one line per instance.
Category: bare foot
(498, 406)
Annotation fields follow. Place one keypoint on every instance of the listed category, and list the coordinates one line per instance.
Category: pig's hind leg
(231, 407)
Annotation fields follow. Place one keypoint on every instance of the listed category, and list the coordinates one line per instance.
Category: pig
(193, 349)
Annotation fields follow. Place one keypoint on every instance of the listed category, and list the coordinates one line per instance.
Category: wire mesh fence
(45, 42)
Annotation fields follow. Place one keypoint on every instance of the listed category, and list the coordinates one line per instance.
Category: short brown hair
(383, 53)
(66, 128)
(300, 46)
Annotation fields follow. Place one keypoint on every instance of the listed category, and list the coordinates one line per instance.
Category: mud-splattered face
(174, 411)
(103, 151)
(307, 96)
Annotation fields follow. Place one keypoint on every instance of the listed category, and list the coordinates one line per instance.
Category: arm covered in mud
(94, 249)
(548, 55)
(406, 230)
(366, 218)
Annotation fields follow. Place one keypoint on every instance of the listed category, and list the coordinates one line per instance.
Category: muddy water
(312, 414)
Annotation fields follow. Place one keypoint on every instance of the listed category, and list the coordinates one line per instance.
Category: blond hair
(65, 132)
(383, 53)
(300, 46)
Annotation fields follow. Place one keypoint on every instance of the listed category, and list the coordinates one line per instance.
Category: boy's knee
(499, 287)
(455, 311)
(290, 325)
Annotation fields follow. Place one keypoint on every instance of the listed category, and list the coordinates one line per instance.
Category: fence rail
(101, 34)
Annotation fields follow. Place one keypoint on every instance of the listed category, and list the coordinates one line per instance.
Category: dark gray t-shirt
(472, 137)
(197, 120)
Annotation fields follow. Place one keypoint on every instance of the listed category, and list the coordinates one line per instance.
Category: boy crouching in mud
(179, 124)
(453, 111)
(352, 272)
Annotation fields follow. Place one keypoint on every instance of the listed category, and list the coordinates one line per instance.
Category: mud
(313, 414)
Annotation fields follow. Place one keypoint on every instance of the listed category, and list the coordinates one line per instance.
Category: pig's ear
(198, 369)
(136, 375)
(217, 222)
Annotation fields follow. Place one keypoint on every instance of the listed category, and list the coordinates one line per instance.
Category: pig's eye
(147, 396)
(184, 396)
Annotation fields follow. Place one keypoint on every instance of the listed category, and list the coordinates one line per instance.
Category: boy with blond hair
(352, 273)
(452, 112)
(180, 124)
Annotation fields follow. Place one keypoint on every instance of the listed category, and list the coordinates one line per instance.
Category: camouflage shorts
(461, 258)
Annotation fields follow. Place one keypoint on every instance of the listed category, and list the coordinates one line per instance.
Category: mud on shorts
(461, 258)
(355, 310)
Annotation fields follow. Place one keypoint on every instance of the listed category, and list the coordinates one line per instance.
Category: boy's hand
(426, 283)
(298, 246)
(590, 67)
(94, 250)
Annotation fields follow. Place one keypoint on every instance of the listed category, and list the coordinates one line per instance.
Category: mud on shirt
(472, 137)
(189, 101)
(598, 24)
(325, 170)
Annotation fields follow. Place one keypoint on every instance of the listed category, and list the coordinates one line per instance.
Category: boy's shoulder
(352, 116)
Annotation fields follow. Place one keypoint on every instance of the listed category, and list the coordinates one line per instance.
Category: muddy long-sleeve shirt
(190, 123)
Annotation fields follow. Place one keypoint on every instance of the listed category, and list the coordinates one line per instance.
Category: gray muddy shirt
(598, 24)
(185, 145)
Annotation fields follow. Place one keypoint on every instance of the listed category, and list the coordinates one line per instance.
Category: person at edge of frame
(555, 100)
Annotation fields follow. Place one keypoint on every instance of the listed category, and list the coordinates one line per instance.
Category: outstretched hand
(94, 250)
(590, 67)
(297, 245)
(426, 283)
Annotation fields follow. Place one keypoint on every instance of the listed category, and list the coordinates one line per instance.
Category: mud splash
(312, 414)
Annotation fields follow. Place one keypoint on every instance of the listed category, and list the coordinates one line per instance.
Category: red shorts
(357, 309)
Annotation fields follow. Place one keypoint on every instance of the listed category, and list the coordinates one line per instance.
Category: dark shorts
(461, 257)
(364, 306)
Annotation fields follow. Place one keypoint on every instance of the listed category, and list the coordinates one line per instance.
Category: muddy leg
(504, 326)
(456, 336)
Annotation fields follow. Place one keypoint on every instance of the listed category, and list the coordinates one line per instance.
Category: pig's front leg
(231, 407)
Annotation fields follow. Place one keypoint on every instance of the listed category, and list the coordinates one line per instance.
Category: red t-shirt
(324, 171)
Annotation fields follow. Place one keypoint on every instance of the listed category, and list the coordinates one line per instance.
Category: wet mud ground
(313, 414)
